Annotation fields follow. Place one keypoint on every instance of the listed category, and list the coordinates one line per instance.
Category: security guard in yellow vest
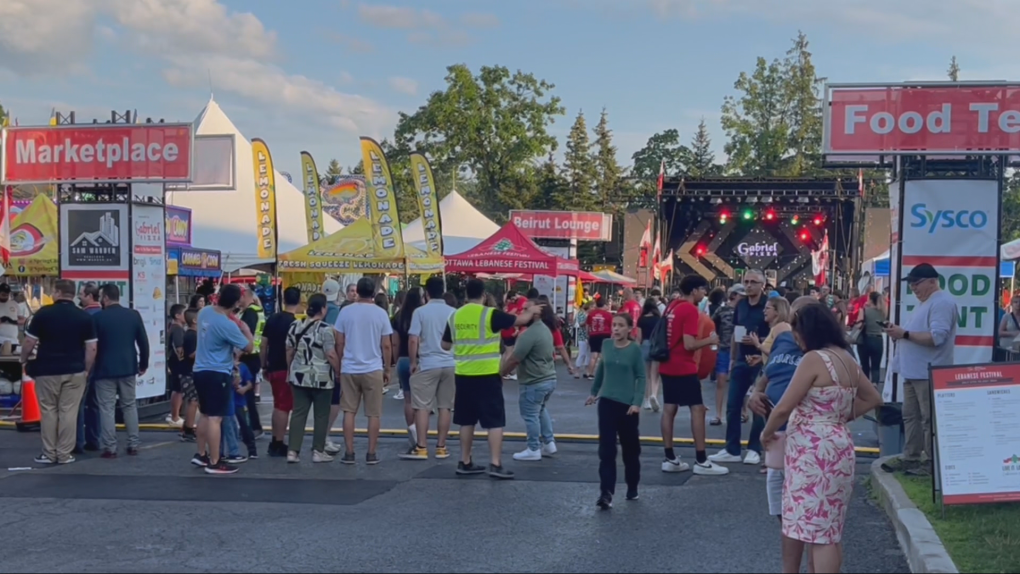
(473, 336)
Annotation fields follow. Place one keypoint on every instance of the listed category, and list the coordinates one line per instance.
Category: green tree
(579, 169)
(609, 172)
(661, 147)
(492, 127)
(954, 70)
(333, 172)
(3, 116)
(702, 158)
(804, 101)
(550, 184)
(357, 169)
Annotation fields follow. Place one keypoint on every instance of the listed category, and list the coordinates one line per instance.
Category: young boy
(229, 425)
(244, 382)
(187, 381)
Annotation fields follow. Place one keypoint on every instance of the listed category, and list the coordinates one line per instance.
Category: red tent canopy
(510, 251)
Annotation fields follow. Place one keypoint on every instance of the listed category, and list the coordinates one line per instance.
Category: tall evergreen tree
(702, 158)
(803, 88)
(334, 171)
(579, 169)
(954, 70)
(607, 167)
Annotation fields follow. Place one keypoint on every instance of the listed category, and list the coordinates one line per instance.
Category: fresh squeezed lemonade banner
(265, 198)
(382, 202)
(313, 199)
(428, 202)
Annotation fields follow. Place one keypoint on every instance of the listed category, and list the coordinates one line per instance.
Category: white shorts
(774, 487)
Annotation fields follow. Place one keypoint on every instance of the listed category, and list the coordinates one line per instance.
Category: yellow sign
(308, 283)
(265, 199)
(353, 250)
(428, 202)
(313, 201)
(382, 201)
(34, 246)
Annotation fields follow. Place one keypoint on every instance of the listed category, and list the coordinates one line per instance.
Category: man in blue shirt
(220, 335)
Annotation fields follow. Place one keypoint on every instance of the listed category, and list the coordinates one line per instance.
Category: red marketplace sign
(933, 119)
(580, 225)
(101, 153)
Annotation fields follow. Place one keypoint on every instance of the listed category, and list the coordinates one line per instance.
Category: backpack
(659, 341)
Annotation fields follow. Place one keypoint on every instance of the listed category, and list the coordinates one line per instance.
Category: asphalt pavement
(157, 513)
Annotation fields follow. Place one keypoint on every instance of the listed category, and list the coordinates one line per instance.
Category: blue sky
(316, 74)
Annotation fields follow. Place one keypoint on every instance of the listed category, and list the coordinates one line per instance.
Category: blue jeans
(533, 401)
(228, 436)
(88, 418)
(404, 373)
(741, 378)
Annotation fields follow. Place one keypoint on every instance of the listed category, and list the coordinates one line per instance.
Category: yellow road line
(509, 435)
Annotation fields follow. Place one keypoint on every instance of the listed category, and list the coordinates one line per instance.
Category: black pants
(254, 364)
(869, 351)
(615, 422)
(247, 436)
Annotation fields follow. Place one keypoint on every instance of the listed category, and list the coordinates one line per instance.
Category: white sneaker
(332, 448)
(549, 449)
(400, 395)
(647, 405)
(321, 457)
(511, 377)
(412, 435)
(711, 469)
(528, 454)
(178, 423)
(723, 456)
(293, 458)
(655, 404)
(675, 465)
(752, 458)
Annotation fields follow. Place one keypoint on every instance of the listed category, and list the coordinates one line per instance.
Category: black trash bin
(890, 429)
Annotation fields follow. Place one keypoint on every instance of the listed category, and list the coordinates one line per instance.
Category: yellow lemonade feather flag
(265, 199)
(381, 198)
(313, 199)
(428, 202)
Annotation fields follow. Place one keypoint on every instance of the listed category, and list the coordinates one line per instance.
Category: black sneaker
(43, 459)
(500, 472)
(221, 467)
(371, 459)
(632, 494)
(236, 459)
(349, 458)
(200, 460)
(605, 501)
(469, 469)
(277, 449)
(189, 436)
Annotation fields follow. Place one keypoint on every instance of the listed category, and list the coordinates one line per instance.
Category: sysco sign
(581, 225)
(149, 153)
(178, 226)
(924, 218)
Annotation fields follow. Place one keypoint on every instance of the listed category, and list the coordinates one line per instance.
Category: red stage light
(770, 215)
(819, 220)
(700, 250)
(804, 236)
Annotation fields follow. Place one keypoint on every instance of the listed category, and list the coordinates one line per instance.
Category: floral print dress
(819, 462)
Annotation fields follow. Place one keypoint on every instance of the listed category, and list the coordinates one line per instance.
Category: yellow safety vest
(258, 328)
(475, 345)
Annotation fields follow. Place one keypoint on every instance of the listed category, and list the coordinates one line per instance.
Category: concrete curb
(924, 550)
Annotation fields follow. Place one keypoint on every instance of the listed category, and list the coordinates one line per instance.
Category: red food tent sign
(510, 251)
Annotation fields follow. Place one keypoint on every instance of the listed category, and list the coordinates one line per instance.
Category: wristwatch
(906, 335)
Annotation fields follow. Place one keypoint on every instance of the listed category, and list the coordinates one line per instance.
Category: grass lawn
(979, 538)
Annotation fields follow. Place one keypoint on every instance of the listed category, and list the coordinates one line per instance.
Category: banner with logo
(94, 240)
(149, 153)
(178, 226)
(428, 203)
(192, 262)
(309, 283)
(148, 291)
(34, 244)
(265, 199)
(580, 225)
(382, 201)
(313, 201)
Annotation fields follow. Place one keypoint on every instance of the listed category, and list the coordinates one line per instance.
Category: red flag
(5, 226)
(662, 178)
(645, 246)
(657, 254)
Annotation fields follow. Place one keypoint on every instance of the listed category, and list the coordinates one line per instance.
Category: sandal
(715, 422)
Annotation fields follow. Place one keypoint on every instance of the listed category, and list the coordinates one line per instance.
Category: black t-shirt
(251, 318)
(403, 350)
(274, 333)
(190, 346)
(497, 322)
(61, 331)
(647, 324)
(174, 341)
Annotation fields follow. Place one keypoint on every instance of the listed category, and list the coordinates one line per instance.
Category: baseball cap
(737, 289)
(331, 289)
(921, 271)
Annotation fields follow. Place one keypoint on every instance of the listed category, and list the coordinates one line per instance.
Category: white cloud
(399, 18)
(426, 28)
(404, 85)
(46, 37)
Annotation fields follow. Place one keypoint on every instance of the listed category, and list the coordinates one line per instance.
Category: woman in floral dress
(828, 391)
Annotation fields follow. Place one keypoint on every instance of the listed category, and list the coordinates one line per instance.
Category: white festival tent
(225, 219)
(463, 226)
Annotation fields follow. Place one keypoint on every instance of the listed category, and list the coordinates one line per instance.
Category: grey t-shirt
(938, 316)
(534, 349)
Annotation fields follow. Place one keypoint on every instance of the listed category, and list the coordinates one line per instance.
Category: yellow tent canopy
(34, 243)
(352, 250)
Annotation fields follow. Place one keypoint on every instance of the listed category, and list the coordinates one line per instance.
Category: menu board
(977, 432)
(148, 286)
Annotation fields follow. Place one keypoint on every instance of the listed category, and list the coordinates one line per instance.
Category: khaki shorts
(366, 385)
(433, 389)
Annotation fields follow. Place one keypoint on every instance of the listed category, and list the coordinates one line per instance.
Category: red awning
(510, 251)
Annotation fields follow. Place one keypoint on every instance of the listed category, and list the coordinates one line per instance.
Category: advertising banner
(580, 225)
(148, 286)
(382, 201)
(873, 120)
(428, 204)
(976, 435)
(193, 262)
(265, 199)
(151, 153)
(94, 240)
(34, 245)
(178, 226)
(313, 201)
(309, 283)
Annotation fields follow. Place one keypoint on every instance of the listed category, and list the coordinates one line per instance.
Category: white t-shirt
(428, 324)
(363, 326)
(12, 310)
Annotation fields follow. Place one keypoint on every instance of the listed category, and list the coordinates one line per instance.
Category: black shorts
(595, 343)
(173, 380)
(509, 341)
(683, 391)
(215, 393)
(479, 401)
(188, 388)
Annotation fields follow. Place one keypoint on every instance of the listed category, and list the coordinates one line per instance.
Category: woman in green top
(619, 389)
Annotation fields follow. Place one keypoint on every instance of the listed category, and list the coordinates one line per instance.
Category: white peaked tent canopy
(226, 219)
(463, 226)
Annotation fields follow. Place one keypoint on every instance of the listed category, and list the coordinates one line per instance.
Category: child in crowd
(244, 383)
(229, 426)
(187, 381)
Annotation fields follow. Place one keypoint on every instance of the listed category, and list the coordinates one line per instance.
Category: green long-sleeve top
(620, 375)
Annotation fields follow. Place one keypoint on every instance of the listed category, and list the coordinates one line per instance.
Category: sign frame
(124, 232)
(605, 233)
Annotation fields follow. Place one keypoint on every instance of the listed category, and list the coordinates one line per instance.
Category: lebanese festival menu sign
(977, 432)
(148, 287)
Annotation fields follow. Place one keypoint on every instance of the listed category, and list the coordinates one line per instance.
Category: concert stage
(720, 227)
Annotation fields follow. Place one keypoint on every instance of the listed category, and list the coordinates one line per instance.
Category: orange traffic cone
(30, 415)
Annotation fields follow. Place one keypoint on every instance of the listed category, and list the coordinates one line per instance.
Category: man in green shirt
(536, 370)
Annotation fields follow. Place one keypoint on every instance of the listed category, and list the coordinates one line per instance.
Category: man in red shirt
(600, 327)
(631, 307)
(681, 386)
(514, 306)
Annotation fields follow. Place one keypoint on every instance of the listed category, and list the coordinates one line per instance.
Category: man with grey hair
(352, 294)
(748, 319)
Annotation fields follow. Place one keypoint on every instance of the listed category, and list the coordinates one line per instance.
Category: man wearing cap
(331, 289)
(928, 337)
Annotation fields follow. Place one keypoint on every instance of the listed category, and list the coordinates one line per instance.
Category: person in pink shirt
(631, 307)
